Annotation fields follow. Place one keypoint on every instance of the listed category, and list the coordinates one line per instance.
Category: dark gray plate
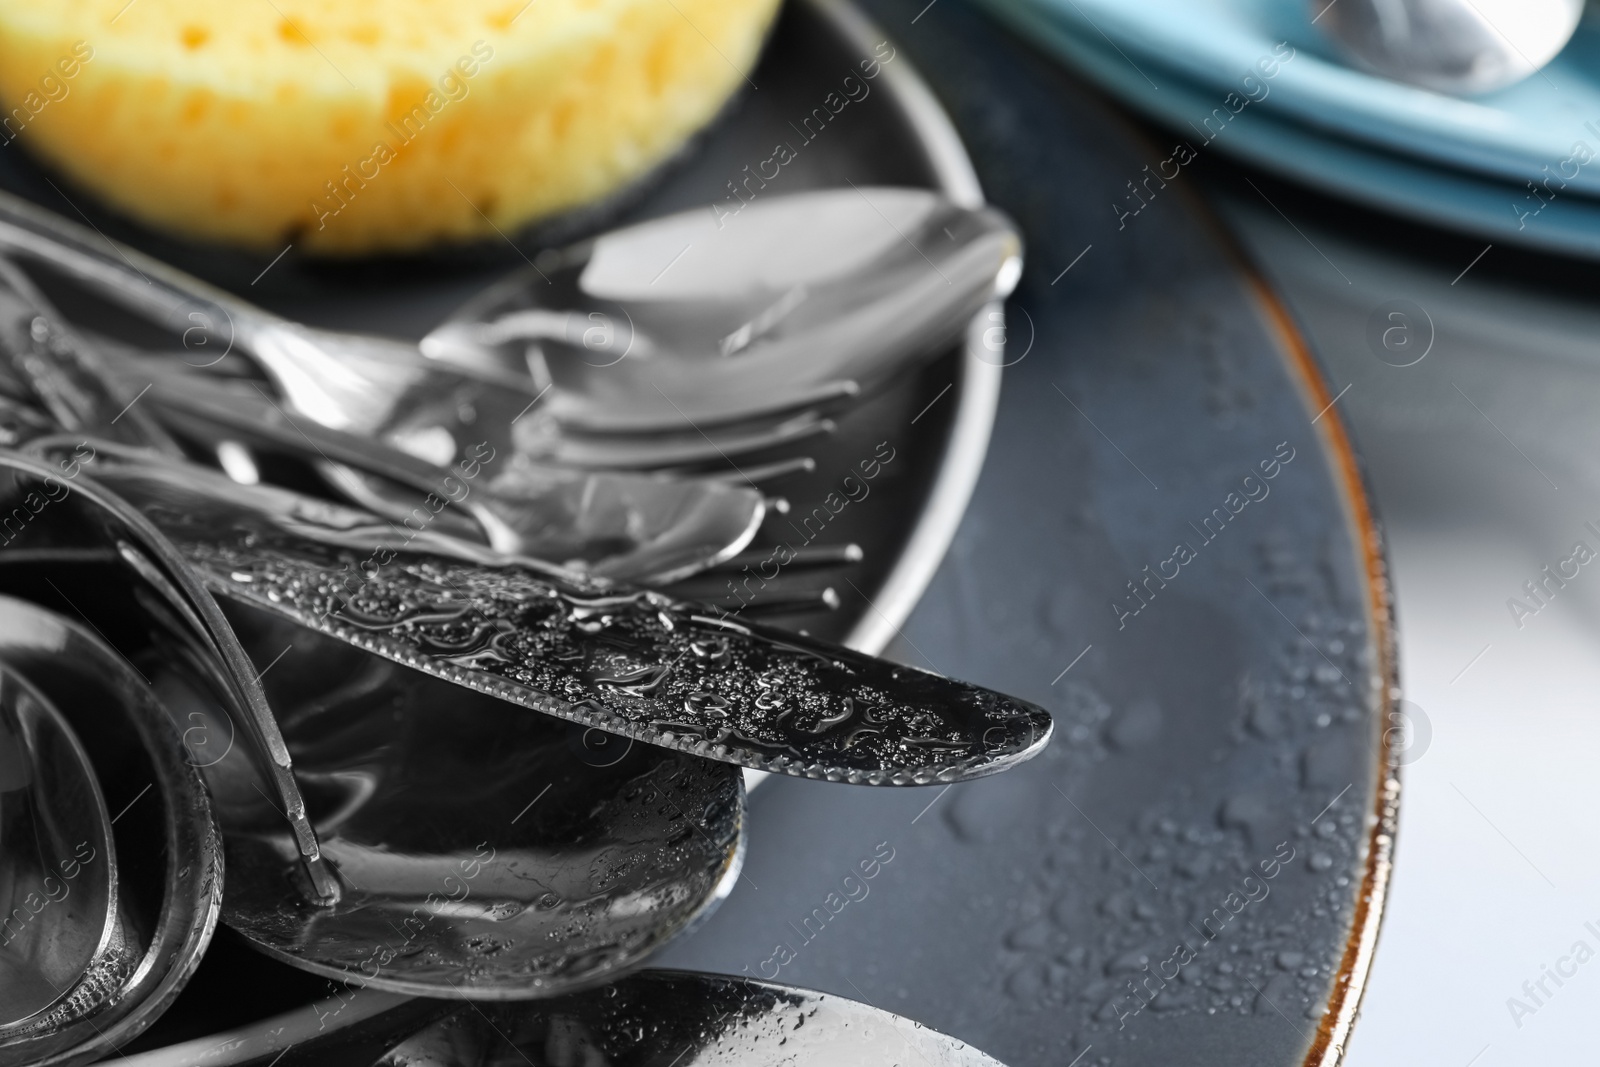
(1240, 715)
(1215, 819)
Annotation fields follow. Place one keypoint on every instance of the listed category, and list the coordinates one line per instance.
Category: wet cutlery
(682, 1017)
(637, 527)
(629, 662)
(60, 946)
(643, 365)
(631, 527)
(53, 513)
(168, 855)
(479, 854)
(430, 416)
(690, 320)
(650, 1019)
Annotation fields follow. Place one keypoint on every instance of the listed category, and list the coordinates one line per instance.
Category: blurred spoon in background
(1452, 46)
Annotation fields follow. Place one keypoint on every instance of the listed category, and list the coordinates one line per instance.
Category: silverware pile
(375, 626)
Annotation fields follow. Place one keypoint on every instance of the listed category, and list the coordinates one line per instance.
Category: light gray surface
(1496, 871)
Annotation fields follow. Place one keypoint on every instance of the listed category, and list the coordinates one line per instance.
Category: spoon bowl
(388, 424)
(693, 320)
(168, 855)
(683, 1017)
(1452, 46)
(59, 940)
(480, 854)
(53, 514)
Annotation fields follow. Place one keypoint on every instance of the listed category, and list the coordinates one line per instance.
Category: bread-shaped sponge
(358, 126)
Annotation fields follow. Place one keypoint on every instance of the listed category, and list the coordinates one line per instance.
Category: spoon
(656, 841)
(479, 854)
(632, 663)
(168, 853)
(433, 418)
(52, 513)
(1453, 46)
(629, 662)
(868, 281)
(655, 1018)
(691, 320)
(628, 526)
(59, 943)
(659, 1018)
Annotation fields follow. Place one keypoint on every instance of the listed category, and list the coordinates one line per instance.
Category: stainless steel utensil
(862, 282)
(633, 663)
(480, 854)
(53, 513)
(656, 1018)
(1454, 46)
(632, 527)
(695, 319)
(168, 854)
(683, 1017)
(60, 946)
(432, 417)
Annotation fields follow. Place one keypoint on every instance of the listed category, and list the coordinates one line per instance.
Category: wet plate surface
(1168, 549)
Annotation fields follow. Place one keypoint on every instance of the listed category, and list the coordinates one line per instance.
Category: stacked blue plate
(1257, 80)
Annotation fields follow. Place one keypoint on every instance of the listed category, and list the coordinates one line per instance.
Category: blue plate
(1215, 44)
(1401, 183)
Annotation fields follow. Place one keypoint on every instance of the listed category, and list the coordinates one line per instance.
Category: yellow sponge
(354, 126)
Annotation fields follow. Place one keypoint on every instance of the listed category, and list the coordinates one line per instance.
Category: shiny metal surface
(426, 423)
(631, 527)
(59, 943)
(683, 1018)
(782, 304)
(50, 367)
(1453, 46)
(53, 513)
(480, 854)
(909, 140)
(167, 850)
(632, 663)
